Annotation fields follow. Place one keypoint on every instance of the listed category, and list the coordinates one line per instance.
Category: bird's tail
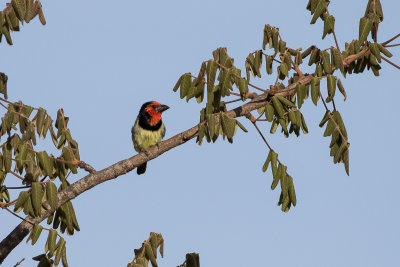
(142, 168)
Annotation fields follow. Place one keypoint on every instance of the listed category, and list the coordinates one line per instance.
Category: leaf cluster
(22, 125)
(148, 251)
(19, 11)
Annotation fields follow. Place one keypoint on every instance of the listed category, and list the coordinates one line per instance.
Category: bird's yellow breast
(144, 139)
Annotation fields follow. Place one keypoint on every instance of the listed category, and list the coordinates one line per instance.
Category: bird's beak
(161, 108)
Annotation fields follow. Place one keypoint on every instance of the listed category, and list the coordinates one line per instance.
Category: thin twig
(16, 215)
(18, 263)
(252, 85)
(4, 105)
(391, 39)
(233, 101)
(16, 104)
(262, 113)
(277, 77)
(18, 176)
(323, 101)
(86, 167)
(390, 62)
(333, 103)
(334, 34)
(277, 60)
(334, 122)
(18, 187)
(393, 45)
(265, 140)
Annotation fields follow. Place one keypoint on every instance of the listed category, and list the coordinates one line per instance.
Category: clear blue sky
(100, 60)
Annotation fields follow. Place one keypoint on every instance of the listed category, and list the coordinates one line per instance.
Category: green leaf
(315, 90)
(341, 89)
(282, 46)
(292, 192)
(329, 128)
(20, 8)
(67, 219)
(274, 126)
(36, 197)
(211, 72)
(186, 83)
(292, 117)
(258, 62)
(241, 126)
(337, 59)
(73, 215)
(312, 5)
(7, 157)
(364, 29)
(346, 160)
(315, 54)
(51, 194)
(150, 254)
(284, 180)
(384, 50)
(51, 241)
(22, 198)
(64, 257)
(307, 51)
(228, 125)
(269, 112)
(283, 124)
(284, 69)
(6, 34)
(338, 118)
(301, 94)
(243, 88)
(60, 248)
(340, 151)
(192, 260)
(275, 42)
(331, 84)
(274, 159)
(40, 120)
(67, 155)
(45, 163)
(319, 10)
(329, 25)
(268, 64)
(278, 106)
(335, 137)
(267, 161)
(28, 210)
(286, 102)
(326, 62)
(303, 124)
(202, 131)
(37, 229)
(375, 51)
(178, 83)
(266, 36)
(199, 94)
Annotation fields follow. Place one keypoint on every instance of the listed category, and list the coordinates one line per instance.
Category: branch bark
(127, 165)
(113, 171)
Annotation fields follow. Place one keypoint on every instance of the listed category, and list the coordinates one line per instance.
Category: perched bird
(148, 129)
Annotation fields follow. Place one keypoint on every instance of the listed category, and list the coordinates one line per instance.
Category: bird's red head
(153, 110)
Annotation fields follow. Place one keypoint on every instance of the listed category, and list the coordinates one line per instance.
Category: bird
(148, 129)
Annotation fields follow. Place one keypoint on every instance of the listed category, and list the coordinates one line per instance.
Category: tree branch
(112, 172)
(127, 165)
